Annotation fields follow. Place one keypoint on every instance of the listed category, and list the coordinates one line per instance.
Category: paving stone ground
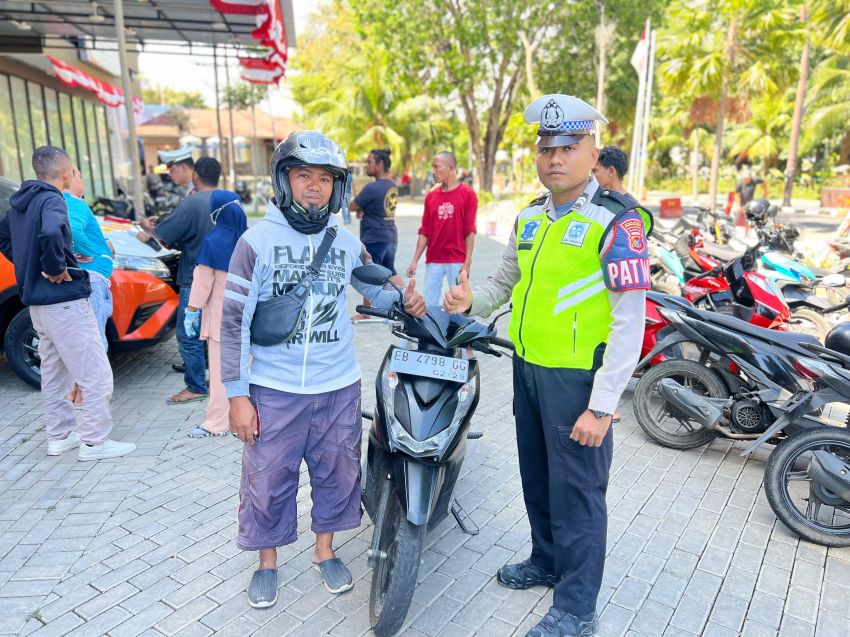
(144, 545)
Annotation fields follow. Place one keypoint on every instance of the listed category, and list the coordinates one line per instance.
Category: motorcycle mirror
(373, 274)
(834, 280)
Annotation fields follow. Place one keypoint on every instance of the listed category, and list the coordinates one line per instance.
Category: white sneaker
(58, 447)
(106, 449)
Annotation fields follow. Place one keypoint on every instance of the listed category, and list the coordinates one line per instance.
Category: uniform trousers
(563, 482)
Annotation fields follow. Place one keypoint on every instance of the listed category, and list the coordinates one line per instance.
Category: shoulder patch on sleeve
(537, 202)
(625, 262)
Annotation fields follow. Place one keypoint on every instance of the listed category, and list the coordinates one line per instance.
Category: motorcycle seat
(788, 340)
(722, 252)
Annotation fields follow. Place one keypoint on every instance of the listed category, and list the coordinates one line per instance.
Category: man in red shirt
(447, 230)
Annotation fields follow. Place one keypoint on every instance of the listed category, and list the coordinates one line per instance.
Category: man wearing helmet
(300, 399)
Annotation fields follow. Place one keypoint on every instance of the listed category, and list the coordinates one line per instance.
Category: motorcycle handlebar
(502, 342)
(373, 311)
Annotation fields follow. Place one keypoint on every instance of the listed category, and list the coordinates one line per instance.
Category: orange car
(144, 298)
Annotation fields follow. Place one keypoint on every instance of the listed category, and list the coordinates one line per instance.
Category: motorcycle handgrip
(502, 342)
(373, 311)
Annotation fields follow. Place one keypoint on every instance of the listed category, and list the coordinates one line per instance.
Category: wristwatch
(599, 414)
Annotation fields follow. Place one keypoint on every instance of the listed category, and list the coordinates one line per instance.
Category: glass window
(69, 139)
(105, 150)
(83, 144)
(39, 123)
(9, 165)
(54, 128)
(98, 187)
(22, 125)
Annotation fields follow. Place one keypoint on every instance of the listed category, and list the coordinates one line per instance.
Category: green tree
(764, 136)
(727, 48)
(465, 50)
(168, 96)
(244, 95)
(348, 88)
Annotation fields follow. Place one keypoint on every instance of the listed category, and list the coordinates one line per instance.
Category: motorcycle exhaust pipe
(692, 405)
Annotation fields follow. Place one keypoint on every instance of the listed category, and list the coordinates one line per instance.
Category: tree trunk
(695, 163)
(799, 107)
(731, 45)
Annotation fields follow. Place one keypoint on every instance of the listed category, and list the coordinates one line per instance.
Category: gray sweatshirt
(268, 258)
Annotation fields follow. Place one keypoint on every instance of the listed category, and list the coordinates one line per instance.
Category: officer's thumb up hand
(459, 297)
(413, 302)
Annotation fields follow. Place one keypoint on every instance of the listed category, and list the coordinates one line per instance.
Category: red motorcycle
(731, 290)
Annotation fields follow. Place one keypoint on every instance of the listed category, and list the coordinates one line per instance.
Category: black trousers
(563, 482)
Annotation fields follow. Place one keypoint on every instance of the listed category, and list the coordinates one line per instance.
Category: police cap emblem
(552, 115)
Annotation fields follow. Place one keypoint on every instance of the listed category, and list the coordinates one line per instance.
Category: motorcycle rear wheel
(826, 517)
(806, 321)
(652, 416)
(394, 576)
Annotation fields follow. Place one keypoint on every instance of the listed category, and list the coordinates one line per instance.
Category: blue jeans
(101, 303)
(191, 350)
(434, 274)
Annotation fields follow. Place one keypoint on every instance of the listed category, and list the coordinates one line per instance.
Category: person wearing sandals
(208, 283)
(295, 391)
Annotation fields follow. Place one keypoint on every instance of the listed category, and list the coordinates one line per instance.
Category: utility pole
(135, 174)
(218, 112)
(604, 38)
(231, 147)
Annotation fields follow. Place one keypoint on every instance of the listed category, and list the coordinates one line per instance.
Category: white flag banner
(641, 53)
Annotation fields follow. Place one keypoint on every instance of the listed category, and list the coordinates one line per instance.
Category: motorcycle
(426, 395)
(736, 361)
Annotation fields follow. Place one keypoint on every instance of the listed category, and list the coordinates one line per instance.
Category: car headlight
(151, 265)
(436, 444)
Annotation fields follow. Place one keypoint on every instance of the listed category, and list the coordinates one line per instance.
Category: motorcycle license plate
(429, 365)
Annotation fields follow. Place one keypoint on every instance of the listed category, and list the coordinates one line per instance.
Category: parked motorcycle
(426, 395)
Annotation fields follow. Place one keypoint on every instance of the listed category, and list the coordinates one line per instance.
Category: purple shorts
(325, 431)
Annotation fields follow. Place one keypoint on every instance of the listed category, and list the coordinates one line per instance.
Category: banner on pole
(270, 32)
(640, 56)
(106, 93)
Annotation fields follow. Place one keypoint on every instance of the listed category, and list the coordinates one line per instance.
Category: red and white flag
(106, 93)
(244, 7)
(640, 57)
(260, 71)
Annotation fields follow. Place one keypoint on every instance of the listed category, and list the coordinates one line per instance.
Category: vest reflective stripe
(561, 311)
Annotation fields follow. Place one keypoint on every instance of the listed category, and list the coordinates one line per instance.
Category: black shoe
(180, 368)
(524, 575)
(557, 623)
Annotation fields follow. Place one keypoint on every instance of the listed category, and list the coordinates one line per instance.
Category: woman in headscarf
(207, 294)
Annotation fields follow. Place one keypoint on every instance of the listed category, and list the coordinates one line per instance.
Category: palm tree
(724, 48)
(763, 136)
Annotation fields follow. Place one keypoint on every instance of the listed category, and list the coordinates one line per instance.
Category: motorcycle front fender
(422, 483)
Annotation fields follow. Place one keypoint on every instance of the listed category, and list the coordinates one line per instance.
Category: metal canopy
(187, 21)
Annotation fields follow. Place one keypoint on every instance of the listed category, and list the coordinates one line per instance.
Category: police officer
(576, 272)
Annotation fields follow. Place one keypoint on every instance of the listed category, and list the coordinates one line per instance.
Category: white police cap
(564, 119)
(170, 157)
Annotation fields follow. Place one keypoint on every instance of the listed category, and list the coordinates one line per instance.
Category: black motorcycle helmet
(838, 338)
(757, 211)
(308, 148)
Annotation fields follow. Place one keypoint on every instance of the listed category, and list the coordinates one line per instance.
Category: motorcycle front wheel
(659, 420)
(394, 574)
(806, 507)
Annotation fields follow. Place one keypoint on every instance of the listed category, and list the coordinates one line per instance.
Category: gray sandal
(262, 591)
(336, 575)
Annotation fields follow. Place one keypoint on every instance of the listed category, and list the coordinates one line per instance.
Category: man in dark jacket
(35, 235)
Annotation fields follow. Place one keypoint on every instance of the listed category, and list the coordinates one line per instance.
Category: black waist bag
(277, 320)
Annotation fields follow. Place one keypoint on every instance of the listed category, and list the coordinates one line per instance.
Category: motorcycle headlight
(151, 265)
(436, 444)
